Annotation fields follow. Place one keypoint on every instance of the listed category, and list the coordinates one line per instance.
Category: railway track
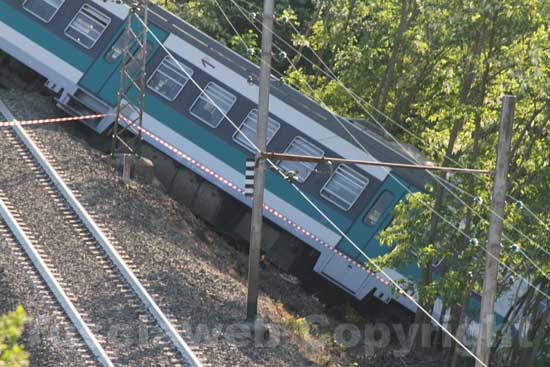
(27, 266)
(92, 281)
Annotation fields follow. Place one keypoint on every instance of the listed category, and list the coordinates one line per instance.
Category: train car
(77, 47)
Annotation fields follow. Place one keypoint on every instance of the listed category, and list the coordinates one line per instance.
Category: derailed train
(77, 47)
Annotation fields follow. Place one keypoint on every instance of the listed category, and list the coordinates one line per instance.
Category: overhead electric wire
(521, 233)
(432, 147)
(541, 271)
(390, 279)
(341, 232)
(359, 100)
(433, 210)
(278, 169)
(324, 215)
(435, 177)
(427, 206)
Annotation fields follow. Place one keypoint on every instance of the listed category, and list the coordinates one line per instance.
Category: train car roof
(379, 147)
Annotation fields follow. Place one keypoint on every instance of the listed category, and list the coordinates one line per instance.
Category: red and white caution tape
(50, 120)
(228, 183)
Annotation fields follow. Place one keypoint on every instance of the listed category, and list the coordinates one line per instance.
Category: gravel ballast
(49, 337)
(194, 275)
(116, 316)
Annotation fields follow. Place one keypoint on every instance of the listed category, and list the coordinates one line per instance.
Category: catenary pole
(259, 171)
(486, 316)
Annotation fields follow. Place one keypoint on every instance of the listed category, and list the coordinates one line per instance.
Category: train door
(376, 216)
(103, 77)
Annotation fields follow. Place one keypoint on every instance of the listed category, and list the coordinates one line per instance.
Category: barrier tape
(202, 167)
(50, 120)
(298, 228)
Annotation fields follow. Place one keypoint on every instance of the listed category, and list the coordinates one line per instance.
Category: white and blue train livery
(77, 46)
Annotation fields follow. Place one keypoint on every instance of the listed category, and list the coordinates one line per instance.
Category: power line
(521, 233)
(541, 271)
(437, 178)
(411, 298)
(440, 180)
(304, 158)
(408, 131)
(358, 99)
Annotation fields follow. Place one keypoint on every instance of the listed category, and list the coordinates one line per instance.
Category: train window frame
(38, 15)
(273, 127)
(304, 141)
(374, 205)
(361, 182)
(93, 14)
(177, 65)
(214, 125)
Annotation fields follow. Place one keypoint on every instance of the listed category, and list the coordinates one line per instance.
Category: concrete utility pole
(486, 317)
(259, 171)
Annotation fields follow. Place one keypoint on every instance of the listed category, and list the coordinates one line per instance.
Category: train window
(87, 26)
(344, 187)
(169, 78)
(212, 113)
(43, 9)
(117, 48)
(379, 207)
(248, 129)
(301, 170)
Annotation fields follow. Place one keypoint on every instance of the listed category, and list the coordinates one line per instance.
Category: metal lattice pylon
(130, 101)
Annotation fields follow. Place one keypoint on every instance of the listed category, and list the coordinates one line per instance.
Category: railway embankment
(197, 278)
(191, 271)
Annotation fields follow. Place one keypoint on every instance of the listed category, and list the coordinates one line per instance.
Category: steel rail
(105, 244)
(55, 288)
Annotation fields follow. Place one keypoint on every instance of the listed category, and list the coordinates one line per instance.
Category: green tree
(437, 68)
(11, 328)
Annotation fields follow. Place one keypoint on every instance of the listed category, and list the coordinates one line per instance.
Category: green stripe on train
(235, 158)
(33, 30)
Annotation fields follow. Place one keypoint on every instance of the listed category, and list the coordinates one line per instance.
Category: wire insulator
(474, 242)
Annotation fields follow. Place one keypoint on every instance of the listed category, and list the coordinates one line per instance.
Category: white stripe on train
(293, 117)
(213, 163)
(38, 58)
